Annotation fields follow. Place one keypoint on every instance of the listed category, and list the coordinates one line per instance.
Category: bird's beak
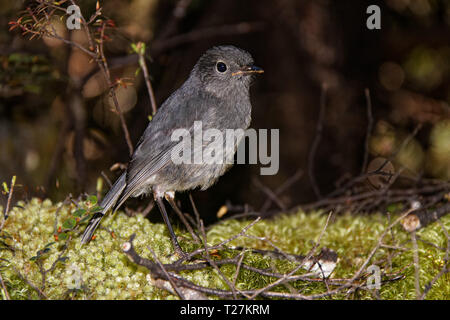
(248, 70)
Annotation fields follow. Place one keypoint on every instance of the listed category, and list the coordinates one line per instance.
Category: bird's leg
(173, 237)
(170, 197)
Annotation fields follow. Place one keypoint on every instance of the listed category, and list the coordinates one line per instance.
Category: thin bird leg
(170, 197)
(173, 237)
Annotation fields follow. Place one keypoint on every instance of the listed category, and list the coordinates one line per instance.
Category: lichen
(100, 270)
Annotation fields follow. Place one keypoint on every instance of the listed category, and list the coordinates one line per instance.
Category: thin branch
(369, 130)
(141, 52)
(160, 46)
(316, 142)
(416, 264)
(174, 286)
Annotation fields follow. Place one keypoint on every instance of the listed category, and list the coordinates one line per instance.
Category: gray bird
(217, 94)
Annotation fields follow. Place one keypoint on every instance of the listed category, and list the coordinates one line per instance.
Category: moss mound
(100, 270)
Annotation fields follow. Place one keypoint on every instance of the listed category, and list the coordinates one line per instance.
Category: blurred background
(59, 131)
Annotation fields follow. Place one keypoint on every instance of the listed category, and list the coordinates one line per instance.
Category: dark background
(300, 44)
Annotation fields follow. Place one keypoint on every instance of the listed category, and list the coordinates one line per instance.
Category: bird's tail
(107, 203)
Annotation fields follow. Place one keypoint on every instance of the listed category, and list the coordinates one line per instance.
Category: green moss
(106, 273)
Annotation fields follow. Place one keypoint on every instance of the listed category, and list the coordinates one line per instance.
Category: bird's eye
(221, 67)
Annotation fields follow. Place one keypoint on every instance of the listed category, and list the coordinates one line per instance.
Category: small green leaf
(87, 217)
(62, 236)
(69, 223)
(96, 209)
(92, 200)
(79, 212)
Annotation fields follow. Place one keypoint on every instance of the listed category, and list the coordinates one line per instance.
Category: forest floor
(36, 264)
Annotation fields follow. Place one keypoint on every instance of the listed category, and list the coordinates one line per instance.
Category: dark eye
(221, 67)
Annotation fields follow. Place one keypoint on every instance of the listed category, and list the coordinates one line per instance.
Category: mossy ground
(106, 273)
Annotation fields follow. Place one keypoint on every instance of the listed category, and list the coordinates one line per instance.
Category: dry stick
(395, 195)
(281, 280)
(269, 193)
(212, 263)
(178, 13)
(106, 179)
(369, 130)
(289, 182)
(234, 261)
(416, 264)
(277, 250)
(151, 93)
(210, 32)
(194, 207)
(182, 218)
(316, 141)
(378, 171)
(223, 243)
(157, 272)
(238, 268)
(174, 286)
(422, 217)
(103, 63)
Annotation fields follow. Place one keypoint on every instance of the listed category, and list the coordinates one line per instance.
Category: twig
(369, 130)
(416, 264)
(288, 183)
(281, 280)
(103, 63)
(223, 243)
(270, 194)
(212, 263)
(316, 141)
(141, 52)
(178, 13)
(174, 286)
(160, 46)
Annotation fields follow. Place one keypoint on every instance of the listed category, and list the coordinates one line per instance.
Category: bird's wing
(154, 149)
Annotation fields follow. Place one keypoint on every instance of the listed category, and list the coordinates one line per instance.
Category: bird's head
(223, 69)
